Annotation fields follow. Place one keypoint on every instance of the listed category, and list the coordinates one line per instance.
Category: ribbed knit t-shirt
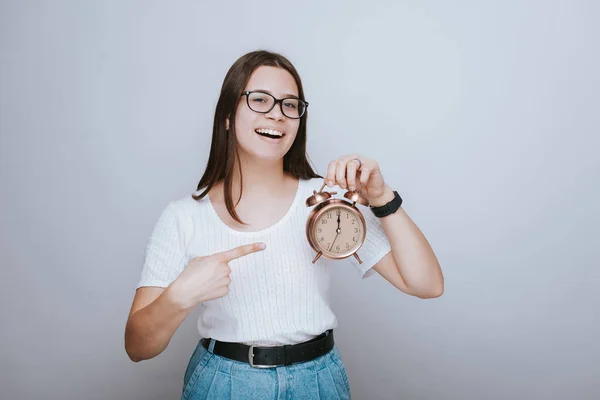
(276, 296)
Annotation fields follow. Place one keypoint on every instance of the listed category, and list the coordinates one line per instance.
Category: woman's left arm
(411, 266)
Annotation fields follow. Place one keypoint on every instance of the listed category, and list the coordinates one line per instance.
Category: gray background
(484, 115)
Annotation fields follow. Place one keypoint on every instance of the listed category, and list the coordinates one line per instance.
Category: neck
(259, 176)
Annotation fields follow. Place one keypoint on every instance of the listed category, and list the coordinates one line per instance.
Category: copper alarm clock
(335, 228)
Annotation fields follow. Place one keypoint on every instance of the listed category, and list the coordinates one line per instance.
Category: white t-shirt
(276, 296)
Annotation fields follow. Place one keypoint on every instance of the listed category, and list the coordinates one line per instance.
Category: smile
(270, 133)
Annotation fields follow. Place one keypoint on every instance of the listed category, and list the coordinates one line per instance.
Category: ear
(227, 123)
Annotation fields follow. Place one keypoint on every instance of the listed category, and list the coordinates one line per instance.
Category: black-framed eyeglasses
(262, 102)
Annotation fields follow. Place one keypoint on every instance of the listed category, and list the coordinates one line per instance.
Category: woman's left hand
(357, 175)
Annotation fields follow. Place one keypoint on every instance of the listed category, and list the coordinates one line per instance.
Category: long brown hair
(224, 146)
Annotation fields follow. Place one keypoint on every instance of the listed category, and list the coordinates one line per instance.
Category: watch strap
(388, 208)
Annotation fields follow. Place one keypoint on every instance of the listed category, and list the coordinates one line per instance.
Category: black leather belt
(269, 357)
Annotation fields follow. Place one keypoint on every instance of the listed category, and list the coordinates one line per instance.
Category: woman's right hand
(207, 278)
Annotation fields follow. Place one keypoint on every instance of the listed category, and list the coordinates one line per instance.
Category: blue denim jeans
(210, 376)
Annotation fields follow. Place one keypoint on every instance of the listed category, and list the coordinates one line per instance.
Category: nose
(276, 113)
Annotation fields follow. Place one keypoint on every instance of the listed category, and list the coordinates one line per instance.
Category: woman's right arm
(154, 317)
(156, 312)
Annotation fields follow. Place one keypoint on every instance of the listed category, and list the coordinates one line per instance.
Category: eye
(291, 104)
(258, 97)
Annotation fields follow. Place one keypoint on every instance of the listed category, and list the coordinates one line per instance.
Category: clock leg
(317, 257)
(359, 261)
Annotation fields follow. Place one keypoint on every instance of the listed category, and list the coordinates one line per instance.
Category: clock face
(338, 230)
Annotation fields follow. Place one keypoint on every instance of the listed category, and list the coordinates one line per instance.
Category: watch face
(338, 230)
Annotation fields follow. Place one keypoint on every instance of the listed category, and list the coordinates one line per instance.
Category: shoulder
(183, 208)
(311, 184)
(186, 204)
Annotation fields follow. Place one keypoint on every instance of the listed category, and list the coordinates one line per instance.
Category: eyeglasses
(263, 103)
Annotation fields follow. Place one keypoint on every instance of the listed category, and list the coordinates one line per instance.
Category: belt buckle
(251, 359)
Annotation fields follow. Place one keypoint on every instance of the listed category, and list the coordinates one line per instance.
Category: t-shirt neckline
(261, 232)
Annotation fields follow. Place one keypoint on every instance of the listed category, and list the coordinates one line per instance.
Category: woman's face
(281, 84)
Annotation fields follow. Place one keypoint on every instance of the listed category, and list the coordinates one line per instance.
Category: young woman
(237, 249)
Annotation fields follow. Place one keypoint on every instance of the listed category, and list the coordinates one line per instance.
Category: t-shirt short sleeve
(165, 249)
(375, 246)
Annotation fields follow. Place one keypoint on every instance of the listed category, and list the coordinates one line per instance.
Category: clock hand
(337, 230)
(336, 235)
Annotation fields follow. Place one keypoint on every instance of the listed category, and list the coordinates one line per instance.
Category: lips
(270, 133)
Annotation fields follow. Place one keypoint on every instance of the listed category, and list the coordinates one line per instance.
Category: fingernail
(262, 246)
(329, 183)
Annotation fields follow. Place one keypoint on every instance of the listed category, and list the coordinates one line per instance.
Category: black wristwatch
(389, 208)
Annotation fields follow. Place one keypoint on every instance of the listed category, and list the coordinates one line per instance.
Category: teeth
(270, 132)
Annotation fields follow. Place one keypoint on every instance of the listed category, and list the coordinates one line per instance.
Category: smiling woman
(236, 249)
(262, 342)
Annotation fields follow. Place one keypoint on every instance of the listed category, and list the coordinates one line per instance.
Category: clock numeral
(354, 238)
(319, 230)
(355, 230)
(353, 221)
(347, 246)
(329, 215)
(323, 221)
(337, 248)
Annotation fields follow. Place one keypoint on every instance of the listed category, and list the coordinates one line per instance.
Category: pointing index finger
(243, 250)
